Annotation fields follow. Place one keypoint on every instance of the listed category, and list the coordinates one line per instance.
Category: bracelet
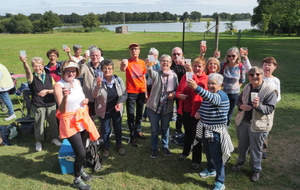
(202, 54)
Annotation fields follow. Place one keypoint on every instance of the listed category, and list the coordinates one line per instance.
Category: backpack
(7, 133)
(93, 160)
(178, 139)
(224, 65)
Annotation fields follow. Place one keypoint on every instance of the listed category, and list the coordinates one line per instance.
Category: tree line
(37, 22)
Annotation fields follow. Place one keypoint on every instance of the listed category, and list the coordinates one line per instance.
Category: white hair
(213, 76)
(154, 51)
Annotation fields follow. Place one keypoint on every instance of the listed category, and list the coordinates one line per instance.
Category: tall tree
(195, 16)
(90, 21)
(19, 24)
(49, 20)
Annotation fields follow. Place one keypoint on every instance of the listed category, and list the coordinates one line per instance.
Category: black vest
(36, 86)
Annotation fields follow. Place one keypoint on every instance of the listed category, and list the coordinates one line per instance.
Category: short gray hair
(165, 56)
(92, 50)
(214, 76)
(256, 69)
(177, 48)
(154, 51)
(76, 47)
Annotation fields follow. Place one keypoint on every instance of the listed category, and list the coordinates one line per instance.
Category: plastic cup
(151, 59)
(64, 47)
(100, 74)
(87, 52)
(203, 43)
(253, 95)
(125, 61)
(23, 54)
(218, 53)
(243, 51)
(188, 61)
(67, 86)
(189, 75)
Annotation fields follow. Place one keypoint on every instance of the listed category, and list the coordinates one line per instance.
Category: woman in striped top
(212, 128)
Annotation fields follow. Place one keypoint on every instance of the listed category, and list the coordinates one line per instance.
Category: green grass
(23, 168)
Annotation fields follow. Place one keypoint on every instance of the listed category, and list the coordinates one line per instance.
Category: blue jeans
(7, 101)
(214, 157)
(232, 103)
(106, 130)
(159, 122)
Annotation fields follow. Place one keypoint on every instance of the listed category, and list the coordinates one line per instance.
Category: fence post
(183, 33)
(239, 37)
(217, 33)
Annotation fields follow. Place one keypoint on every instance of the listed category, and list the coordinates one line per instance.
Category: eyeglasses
(71, 71)
(253, 74)
(165, 61)
(134, 49)
(229, 56)
(174, 54)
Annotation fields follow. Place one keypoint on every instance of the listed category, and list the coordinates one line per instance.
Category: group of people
(205, 94)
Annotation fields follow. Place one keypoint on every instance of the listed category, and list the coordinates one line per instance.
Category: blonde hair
(218, 64)
(37, 60)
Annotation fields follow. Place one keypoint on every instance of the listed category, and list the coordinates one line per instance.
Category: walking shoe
(219, 186)
(121, 150)
(237, 167)
(154, 153)
(106, 152)
(56, 142)
(133, 142)
(255, 176)
(195, 165)
(182, 157)
(10, 117)
(206, 173)
(264, 155)
(81, 185)
(38, 146)
(167, 152)
(141, 135)
(85, 176)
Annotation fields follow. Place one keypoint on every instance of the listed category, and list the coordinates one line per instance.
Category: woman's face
(232, 57)
(198, 68)
(107, 71)
(78, 52)
(212, 66)
(38, 68)
(70, 74)
(52, 58)
(165, 64)
(256, 79)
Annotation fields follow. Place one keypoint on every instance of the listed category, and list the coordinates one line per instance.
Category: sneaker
(81, 185)
(206, 173)
(38, 146)
(154, 153)
(121, 150)
(133, 142)
(85, 176)
(182, 157)
(167, 152)
(195, 165)
(264, 155)
(237, 167)
(106, 152)
(56, 142)
(219, 186)
(10, 117)
(255, 176)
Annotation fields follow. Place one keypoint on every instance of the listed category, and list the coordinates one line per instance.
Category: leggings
(78, 143)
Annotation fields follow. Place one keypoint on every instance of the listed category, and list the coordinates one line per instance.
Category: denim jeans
(214, 157)
(159, 123)
(106, 129)
(232, 103)
(134, 123)
(7, 101)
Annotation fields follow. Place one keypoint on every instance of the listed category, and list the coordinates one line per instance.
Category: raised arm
(28, 72)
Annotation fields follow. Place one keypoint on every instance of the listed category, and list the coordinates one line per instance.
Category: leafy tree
(185, 16)
(48, 21)
(4, 25)
(195, 16)
(19, 24)
(189, 26)
(265, 22)
(207, 26)
(35, 16)
(230, 27)
(90, 21)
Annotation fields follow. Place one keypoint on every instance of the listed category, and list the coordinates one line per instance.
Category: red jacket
(195, 100)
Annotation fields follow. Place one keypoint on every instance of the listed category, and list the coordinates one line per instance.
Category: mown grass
(23, 168)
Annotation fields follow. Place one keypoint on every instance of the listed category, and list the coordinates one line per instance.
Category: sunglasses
(229, 56)
(253, 74)
(176, 54)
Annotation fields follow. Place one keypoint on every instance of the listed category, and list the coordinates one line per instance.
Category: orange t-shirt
(135, 76)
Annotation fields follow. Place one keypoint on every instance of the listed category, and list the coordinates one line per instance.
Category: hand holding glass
(151, 60)
(23, 54)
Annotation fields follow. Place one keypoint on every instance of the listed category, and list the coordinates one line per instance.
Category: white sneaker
(38, 146)
(10, 117)
(56, 142)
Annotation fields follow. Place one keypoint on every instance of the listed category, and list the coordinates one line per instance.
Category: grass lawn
(23, 168)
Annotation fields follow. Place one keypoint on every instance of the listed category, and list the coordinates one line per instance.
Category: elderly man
(178, 67)
(89, 72)
(136, 88)
(256, 106)
(212, 128)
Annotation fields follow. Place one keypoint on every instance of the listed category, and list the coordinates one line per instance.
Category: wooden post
(217, 33)
(183, 33)
(239, 37)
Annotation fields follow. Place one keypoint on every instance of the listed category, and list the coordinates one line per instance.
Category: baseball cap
(133, 44)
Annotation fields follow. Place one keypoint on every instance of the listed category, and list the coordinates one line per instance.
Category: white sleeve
(247, 64)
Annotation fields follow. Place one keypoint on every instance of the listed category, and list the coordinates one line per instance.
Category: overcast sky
(82, 7)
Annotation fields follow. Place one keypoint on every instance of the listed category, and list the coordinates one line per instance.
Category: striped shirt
(214, 107)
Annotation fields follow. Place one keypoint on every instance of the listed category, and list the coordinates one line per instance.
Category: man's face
(177, 52)
(134, 51)
(95, 57)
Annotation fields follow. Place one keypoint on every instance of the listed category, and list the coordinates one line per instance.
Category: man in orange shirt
(135, 69)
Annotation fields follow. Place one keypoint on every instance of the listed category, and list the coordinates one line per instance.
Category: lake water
(178, 26)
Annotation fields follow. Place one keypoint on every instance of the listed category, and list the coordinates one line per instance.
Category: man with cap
(135, 70)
